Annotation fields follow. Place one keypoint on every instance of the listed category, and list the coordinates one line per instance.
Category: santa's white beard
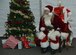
(47, 19)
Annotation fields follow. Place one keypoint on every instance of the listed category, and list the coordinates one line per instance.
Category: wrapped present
(32, 44)
(3, 41)
(25, 42)
(12, 42)
(31, 41)
(5, 46)
(20, 45)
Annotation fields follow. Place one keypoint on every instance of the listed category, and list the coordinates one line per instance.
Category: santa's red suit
(51, 20)
(50, 37)
(45, 35)
(54, 37)
(64, 15)
(45, 21)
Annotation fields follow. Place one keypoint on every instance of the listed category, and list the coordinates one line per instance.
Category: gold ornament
(24, 29)
(18, 28)
(14, 28)
(10, 28)
(25, 2)
(14, 16)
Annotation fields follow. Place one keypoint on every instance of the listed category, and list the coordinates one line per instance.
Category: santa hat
(48, 7)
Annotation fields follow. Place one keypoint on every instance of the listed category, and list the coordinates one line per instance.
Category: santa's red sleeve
(57, 22)
(41, 24)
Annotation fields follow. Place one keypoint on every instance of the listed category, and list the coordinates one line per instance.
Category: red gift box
(25, 42)
(11, 42)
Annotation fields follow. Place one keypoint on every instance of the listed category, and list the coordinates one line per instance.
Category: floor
(36, 51)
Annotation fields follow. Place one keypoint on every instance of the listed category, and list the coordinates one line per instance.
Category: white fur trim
(64, 35)
(69, 17)
(41, 35)
(54, 46)
(37, 28)
(51, 35)
(64, 10)
(65, 15)
(71, 38)
(57, 33)
(70, 28)
(51, 14)
(69, 13)
(46, 9)
(50, 32)
(58, 28)
(42, 28)
(44, 44)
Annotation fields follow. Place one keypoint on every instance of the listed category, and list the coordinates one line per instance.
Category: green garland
(15, 3)
(18, 4)
(25, 16)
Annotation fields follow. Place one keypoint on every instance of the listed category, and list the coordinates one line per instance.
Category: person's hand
(42, 28)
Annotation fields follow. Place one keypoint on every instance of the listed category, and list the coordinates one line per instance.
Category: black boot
(53, 52)
(64, 44)
(60, 49)
(43, 50)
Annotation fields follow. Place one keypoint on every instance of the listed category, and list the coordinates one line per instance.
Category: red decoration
(9, 22)
(25, 42)
(59, 12)
(18, 22)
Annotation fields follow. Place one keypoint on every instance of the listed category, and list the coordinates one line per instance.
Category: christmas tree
(20, 20)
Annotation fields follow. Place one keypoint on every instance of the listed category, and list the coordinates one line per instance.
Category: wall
(4, 10)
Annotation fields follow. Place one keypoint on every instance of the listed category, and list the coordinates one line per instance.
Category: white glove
(41, 35)
(42, 28)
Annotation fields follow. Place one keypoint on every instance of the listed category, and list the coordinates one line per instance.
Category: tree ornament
(20, 19)
(14, 16)
(26, 16)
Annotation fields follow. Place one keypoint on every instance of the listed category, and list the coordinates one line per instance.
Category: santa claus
(54, 37)
(65, 15)
(49, 23)
(45, 23)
